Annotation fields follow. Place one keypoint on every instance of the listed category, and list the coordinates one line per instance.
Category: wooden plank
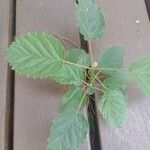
(127, 25)
(37, 101)
(6, 26)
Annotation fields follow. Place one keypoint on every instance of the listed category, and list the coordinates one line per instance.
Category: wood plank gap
(147, 3)
(9, 104)
(95, 141)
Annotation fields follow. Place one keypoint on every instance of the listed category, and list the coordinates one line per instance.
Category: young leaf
(79, 56)
(112, 58)
(112, 82)
(68, 131)
(141, 73)
(36, 55)
(70, 74)
(113, 107)
(72, 99)
(90, 19)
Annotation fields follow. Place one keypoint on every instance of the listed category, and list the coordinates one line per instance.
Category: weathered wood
(6, 27)
(37, 101)
(127, 25)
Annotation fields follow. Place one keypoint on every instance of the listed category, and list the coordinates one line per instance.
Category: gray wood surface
(5, 38)
(37, 101)
(127, 25)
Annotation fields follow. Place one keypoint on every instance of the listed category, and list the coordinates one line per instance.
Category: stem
(90, 51)
(86, 92)
(64, 38)
(94, 87)
(101, 83)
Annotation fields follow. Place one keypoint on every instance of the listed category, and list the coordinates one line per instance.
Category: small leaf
(73, 98)
(79, 56)
(90, 19)
(112, 58)
(121, 74)
(68, 131)
(70, 74)
(141, 73)
(112, 82)
(36, 55)
(113, 107)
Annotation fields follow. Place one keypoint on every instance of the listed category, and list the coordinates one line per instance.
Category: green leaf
(39, 55)
(73, 98)
(122, 74)
(90, 19)
(141, 73)
(113, 107)
(70, 74)
(68, 131)
(112, 82)
(36, 55)
(79, 56)
(112, 58)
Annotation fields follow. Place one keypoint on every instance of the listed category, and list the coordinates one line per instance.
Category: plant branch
(101, 83)
(90, 51)
(66, 39)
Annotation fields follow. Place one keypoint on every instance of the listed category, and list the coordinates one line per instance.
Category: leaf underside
(68, 131)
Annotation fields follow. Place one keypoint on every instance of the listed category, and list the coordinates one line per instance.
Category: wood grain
(37, 101)
(6, 27)
(127, 25)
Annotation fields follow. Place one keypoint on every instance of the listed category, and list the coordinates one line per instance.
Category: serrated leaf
(36, 55)
(121, 74)
(73, 98)
(90, 19)
(70, 74)
(68, 131)
(113, 107)
(112, 82)
(79, 56)
(112, 58)
(39, 55)
(141, 73)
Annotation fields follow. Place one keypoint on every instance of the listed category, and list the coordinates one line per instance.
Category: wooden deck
(27, 106)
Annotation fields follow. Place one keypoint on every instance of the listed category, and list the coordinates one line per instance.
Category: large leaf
(70, 74)
(40, 55)
(141, 73)
(36, 55)
(73, 98)
(68, 131)
(113, 107)
(90, 19)
(112, 58)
